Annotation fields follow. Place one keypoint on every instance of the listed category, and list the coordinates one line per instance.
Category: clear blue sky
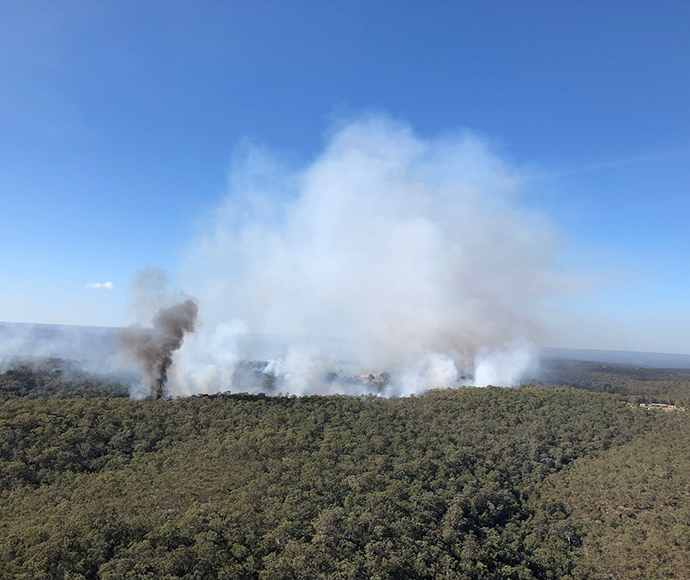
(118, 121)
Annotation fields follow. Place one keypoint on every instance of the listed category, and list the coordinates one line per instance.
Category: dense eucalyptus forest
(543, 481)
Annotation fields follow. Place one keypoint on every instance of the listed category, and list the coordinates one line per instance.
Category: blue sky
(118, 121)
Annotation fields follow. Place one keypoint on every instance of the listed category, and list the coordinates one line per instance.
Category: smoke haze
(390, 263)
(388, 252)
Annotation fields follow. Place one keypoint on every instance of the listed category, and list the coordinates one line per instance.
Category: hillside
(643, 383)
(470, 483)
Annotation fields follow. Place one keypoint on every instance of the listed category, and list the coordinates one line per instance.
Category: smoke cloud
(154, 347)
(390, 262)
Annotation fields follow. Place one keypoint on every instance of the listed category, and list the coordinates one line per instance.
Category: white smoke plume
(417, 253)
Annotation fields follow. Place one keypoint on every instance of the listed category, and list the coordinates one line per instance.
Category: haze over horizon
(121, 126)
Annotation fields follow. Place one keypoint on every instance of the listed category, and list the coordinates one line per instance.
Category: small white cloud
(100, 285)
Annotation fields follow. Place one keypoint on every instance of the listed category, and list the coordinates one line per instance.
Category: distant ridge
(73, 341)
(621, 357)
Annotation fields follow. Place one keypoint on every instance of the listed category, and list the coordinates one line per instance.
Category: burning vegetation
(153, 348)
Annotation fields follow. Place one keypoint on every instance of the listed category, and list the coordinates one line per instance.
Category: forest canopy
(535, 482)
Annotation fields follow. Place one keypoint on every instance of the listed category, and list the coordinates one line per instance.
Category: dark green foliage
(649, 384)
(634, 504)
(473, 483)
(447, 485)
(54, 379)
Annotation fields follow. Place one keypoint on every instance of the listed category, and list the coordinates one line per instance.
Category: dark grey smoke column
(154, 348)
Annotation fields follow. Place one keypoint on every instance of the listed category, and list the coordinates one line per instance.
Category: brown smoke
(154, 348)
